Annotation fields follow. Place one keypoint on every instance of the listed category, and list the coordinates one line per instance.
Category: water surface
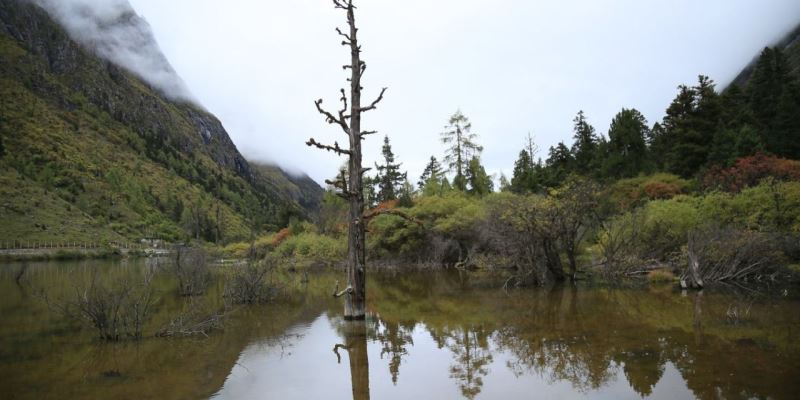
(428, 335)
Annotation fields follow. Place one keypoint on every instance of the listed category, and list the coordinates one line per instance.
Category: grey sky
(511, 66)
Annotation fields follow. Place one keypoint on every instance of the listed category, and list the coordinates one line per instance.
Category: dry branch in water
(195, 320)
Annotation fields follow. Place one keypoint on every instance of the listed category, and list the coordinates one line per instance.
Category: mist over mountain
(97, 142)
(115, 32)
(789, 44)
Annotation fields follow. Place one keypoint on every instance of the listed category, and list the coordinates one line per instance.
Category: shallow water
(428, 335)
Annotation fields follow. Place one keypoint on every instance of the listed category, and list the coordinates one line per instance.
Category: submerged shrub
(247, 283)
(191, 270)
(115, 309)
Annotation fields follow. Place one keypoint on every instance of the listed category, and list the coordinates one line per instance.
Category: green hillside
(90, 152)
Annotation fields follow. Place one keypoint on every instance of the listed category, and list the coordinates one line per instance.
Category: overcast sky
(512, 66)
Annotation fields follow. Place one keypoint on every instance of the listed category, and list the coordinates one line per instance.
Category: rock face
(122, 142)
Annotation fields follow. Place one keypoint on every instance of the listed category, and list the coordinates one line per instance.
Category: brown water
(428, 335)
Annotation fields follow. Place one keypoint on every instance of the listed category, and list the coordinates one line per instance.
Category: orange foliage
(282, 235)
(661, 190)
(386, 205)
(749, 171)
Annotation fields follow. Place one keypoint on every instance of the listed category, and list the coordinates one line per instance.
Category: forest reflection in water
(449, 338)
(428, 335)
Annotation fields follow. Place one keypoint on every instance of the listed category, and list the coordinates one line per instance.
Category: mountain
(789, 45)
(94, 149)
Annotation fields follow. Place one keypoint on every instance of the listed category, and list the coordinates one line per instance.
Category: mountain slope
(89, 151)
(789, 45)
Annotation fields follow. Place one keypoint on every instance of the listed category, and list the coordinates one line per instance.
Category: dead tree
(349, 120)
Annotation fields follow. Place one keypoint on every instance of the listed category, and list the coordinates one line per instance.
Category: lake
(437, 335)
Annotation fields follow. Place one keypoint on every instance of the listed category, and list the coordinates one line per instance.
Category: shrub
(627, 193)
(247, 283)
(660, 276)
(749, 171)
(313, 247)
(116, 310)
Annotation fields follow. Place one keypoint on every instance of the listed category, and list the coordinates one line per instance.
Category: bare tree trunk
(352, 189)
(356, 339)
(696, 279)
(355, 336)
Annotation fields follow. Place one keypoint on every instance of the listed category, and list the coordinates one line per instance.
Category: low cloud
(113, 30)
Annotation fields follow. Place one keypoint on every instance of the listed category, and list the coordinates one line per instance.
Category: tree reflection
(394, 339)
(355, 338)
(472, 357)
(586, 336)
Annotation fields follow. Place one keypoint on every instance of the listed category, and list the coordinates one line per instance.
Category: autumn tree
(462, 146)
(348, 118)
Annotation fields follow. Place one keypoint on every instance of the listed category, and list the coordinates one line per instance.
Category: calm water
(428, 335)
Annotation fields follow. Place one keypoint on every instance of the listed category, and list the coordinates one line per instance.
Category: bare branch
(347, 290)
(342, 115)
(375, 103)
(335, 148)
(365, 170)
(346, 36)
(336, 350)
(330, 118)
(372, 214)
(339, 184)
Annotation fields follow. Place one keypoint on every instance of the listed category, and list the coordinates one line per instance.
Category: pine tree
(774, 98)
(558, 165)
(505, 185)
(432, 170)
(627, 149)
(480, 183)
(584, 149)
(405, 197)
(689, 128)
(522, 179)
(462, 147)
(389, 177)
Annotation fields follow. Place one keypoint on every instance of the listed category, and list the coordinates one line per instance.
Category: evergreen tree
(774, 98)
(480, 183)
(689, 127)
(389, 178)
(462, 147)
(523, 179)
(432, 170)
(558, 165)
(627, 150)
(505, 185)
(370, 196)
(406, 194)
(584, 149)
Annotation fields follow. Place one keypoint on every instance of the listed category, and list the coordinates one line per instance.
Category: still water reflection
(428, 335)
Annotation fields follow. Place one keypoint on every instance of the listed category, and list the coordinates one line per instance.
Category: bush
(313, 247)
(627, 193)
(750, 171)
(660, 276)
(247, 283)
(191, 270)
(116, 310)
